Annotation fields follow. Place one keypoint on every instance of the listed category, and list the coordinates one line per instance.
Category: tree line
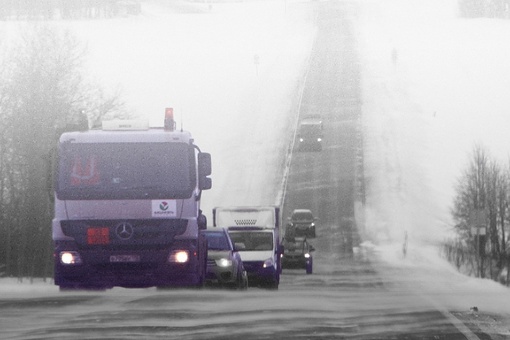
(66, 9)
(42, 93)
(482, 215)
(484, 8)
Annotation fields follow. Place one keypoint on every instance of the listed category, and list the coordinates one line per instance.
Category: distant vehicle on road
(310, 134)
(301, 223)
(298, 254)
(224, 265)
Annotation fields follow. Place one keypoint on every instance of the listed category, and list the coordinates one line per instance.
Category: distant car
(309, 134)
(298, 254)
(301, 223)
(224, 265)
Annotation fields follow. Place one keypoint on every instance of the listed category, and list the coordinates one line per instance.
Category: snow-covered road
(203, 64)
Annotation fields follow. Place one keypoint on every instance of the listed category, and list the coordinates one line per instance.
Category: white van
(255, 232)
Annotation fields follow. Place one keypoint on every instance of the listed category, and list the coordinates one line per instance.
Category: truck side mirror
(204, 183)
(204, 170)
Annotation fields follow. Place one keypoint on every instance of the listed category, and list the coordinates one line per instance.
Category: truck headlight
(224, 263)
(70, 257)
(178, 256)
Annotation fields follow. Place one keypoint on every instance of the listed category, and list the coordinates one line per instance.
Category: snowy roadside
(433, 87)
(497, 326)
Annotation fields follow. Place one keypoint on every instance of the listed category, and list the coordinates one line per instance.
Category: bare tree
(472, 198)
(43, 93)
(482, 200)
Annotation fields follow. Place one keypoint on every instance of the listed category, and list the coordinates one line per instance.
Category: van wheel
(272, 285)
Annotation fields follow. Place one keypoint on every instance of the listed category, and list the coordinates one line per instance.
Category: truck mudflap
(183, 264)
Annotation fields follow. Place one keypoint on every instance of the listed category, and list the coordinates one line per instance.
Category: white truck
(127, 207)
(255, 232)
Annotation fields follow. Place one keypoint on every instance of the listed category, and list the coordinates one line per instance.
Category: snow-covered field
(434, 85)
(422, 114)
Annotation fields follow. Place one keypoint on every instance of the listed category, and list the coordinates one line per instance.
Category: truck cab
(127, 208)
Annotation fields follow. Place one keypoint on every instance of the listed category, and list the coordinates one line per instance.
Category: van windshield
(252, 240)
(125, 171)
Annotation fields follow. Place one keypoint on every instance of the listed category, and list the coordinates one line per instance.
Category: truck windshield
(252, 240)
(125, 171)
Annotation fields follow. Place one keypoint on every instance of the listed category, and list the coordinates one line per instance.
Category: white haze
(421, 116)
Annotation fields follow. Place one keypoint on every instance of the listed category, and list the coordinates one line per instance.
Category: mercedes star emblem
(124, 230)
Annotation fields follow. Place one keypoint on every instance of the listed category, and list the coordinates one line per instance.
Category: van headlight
(268, 263)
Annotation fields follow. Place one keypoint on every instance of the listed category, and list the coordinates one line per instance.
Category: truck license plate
(124, 258)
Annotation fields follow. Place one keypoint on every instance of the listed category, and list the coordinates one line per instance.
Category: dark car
(301, 223)
(224, 265)
(309, 134)
(298, 254)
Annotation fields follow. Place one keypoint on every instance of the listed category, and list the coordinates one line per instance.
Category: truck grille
(121, 234)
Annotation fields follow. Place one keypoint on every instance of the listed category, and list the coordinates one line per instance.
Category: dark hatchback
(224, 265)
(301, 223)
(310, 135)
(298, 254)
